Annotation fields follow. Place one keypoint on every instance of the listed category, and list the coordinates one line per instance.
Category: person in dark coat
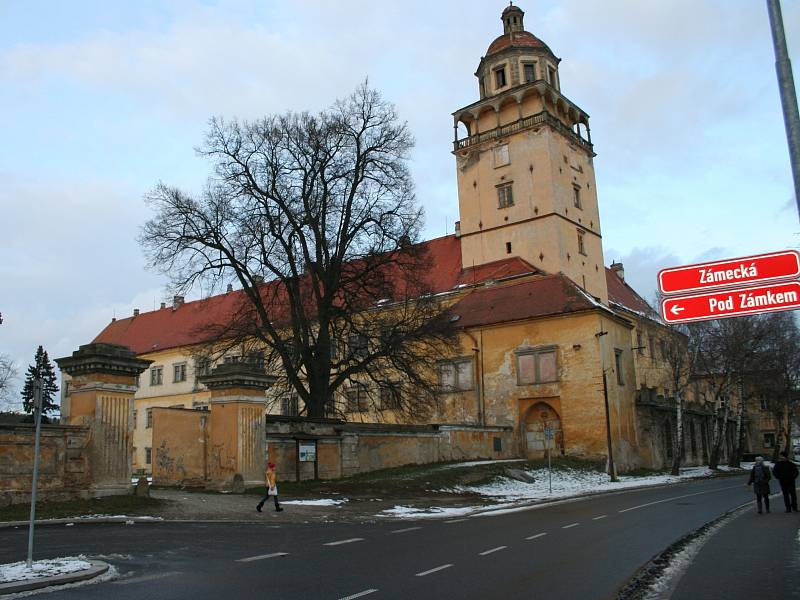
(759, 479)
(785, 472)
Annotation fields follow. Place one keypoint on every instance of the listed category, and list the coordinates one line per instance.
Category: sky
(99, 101)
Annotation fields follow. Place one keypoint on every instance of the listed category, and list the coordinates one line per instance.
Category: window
(581, 245)
(179, 372)
(536, 366)
(529, 70)
(508, 247)
(551, 76)
(202, 366)
(456, 375)
(576, 196)
(505, 197)
(639, 342)
(769, 440)
(149, 415)
(618, 365)
(501, 157)
(498, 444)
(482, 83)
(764, 403)
(357, 400)
(390, 397)
(289, 406)
(358, 345)
(499, 77)
(148, 456)
(135, 413)
(156, 375)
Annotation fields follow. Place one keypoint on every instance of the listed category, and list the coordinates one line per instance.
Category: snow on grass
(571, 482)
(42, 568)
(432, 512)
(567, 483)
(323, 502)
(477, 463)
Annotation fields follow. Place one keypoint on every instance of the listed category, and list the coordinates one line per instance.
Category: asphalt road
(580, 549)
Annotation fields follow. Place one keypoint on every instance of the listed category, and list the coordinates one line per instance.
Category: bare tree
(775, 375)
(680, 356)
(316, 219)
(8, 375)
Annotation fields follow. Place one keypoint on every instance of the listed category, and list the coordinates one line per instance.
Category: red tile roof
(536, 297)
(621, 293)
(198, 321)
(517, 39)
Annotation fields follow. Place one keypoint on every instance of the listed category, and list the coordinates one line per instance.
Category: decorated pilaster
(237, 439)
(103, 379)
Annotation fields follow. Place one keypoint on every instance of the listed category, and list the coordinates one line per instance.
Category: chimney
(458, 229)
(163, 305)
(258, 278)
(135, 312)
(176, 302)
(619, 271)
(230, 288)
(113, 319)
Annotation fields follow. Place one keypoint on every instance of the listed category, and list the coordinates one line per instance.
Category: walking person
(759, 478)
(271, 480)
(785, 472)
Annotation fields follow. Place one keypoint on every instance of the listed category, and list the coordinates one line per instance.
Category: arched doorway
(539, 418)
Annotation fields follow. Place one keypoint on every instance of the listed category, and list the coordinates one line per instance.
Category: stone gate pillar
(103, 381)
(237, 437)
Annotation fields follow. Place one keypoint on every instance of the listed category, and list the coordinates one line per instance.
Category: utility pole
(612, 471)
(783, 66)
(37, 415)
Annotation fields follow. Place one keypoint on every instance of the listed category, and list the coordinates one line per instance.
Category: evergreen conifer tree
(43, 368)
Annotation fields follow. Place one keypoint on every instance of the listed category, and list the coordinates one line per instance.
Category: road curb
(98, 568)
(125, 520)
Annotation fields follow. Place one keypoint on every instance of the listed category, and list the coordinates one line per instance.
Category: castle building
(557, 351)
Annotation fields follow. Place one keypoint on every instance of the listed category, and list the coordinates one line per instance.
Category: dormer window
(500, 78)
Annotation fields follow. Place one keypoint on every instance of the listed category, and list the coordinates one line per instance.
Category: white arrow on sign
(676, 310)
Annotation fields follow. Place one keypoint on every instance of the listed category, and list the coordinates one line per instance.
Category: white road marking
(533, 537)
(570, 525)
(456, 521)
(263, 556)
(340, 542)
(429, 571)
(358, 595)
(406, 529)
(493, 550)
(730, 487)
(144, 578)
(599, 517)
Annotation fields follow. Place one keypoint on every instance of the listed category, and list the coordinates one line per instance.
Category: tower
(526, 184)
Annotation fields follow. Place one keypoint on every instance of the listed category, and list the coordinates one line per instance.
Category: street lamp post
(783, 66)
(611, 469)
(37, 415)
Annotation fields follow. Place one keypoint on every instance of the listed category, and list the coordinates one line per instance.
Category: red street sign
(731, 303)
(727, 273)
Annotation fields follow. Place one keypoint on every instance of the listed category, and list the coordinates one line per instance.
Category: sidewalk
(753, 556)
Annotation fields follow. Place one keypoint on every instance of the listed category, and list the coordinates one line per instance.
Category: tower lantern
(512, 19)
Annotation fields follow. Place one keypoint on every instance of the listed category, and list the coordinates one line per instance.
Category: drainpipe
(477, 348)
(612, 471)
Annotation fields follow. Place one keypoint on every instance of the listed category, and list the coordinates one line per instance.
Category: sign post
(37, 415)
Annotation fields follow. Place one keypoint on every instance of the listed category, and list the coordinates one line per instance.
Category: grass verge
(109, 505)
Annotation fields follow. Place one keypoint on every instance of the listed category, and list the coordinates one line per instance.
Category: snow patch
(323, 502)
(432, 512)
(19, 571)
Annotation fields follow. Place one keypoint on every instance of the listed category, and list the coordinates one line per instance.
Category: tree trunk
(718, 435)
(677, 452)
(736, 454)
